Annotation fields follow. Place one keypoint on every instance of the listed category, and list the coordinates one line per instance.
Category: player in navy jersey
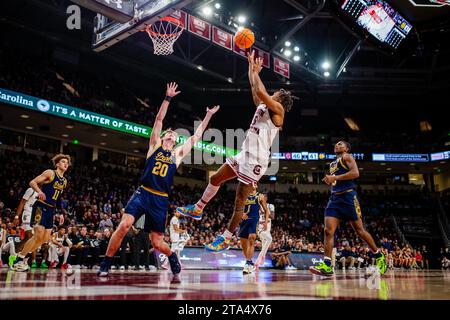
(49, 187)
(152, 197)
(255, 203)
(344, 205)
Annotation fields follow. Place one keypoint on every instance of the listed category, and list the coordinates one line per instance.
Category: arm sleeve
(28, 194)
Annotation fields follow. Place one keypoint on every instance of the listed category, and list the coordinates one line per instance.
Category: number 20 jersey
(159, 170)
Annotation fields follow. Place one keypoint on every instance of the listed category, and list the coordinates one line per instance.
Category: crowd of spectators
(94, 201)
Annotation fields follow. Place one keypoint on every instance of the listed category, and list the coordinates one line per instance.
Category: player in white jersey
(178, 237)
(264, 232)
(59, 245)
(251, 163)
(24, 211)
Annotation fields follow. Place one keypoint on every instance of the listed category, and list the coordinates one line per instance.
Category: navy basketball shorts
(248, 227)
(344, 206)
(42, 215)
(154, 207)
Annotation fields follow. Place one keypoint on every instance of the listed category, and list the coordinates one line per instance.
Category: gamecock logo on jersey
(257, 169)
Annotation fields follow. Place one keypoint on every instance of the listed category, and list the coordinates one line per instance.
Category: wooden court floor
(223, 284)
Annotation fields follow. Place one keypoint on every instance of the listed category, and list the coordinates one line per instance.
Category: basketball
(244, 38)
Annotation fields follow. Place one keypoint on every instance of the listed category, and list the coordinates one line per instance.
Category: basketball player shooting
(152, 197)
(252, 162)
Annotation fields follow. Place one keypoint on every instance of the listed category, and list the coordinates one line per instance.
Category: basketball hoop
(164, 33)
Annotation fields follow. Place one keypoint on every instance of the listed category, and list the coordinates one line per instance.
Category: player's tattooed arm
(186, 147)
(261, 91)
(155, 139)
(45, 176)
(251, 70)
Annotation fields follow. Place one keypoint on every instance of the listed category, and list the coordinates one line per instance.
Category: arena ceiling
(416, 78)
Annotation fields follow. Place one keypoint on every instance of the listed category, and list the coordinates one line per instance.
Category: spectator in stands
(106, 223)
(419, 259)
(347, 257)
(141, 242)
(95, 239)
(445, 259)
(80, 248)
(126, 246)
(425, 257)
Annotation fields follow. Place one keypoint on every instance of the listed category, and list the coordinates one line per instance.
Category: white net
(164, 33)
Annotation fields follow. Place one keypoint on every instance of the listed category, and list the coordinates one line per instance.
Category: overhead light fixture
(199, 67)
(24, 116)
(103, 134)
(135, 150)
(230, 80)
(103, 143)
(241, 19)
(65, 135)
(284, 168)
(383, 163)
(388, 169)
(69, 126)
(351, 124)
(287, 43)
(29, 127)
(326, 74)
(326, 65)
(296, 58)
(207, 11)
(287, 53)
(296, 49)
(217, 6)
(134, 142)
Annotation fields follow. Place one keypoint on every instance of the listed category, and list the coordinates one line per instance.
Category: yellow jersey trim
(342, 192)
(342, 163)
(56, 172)
(154, 150)
(159, 193)
(48, 205)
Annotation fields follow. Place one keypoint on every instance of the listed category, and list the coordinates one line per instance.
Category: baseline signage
(198, 258)
(96, 119)
(400, 157)
(440, 156)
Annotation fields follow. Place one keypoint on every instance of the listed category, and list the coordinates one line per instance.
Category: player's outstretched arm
(186, 147)
(251, 70)
(261, 91)
(45, 176)
(155, 139)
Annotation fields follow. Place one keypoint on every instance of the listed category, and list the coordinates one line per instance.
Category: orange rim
(175, 21)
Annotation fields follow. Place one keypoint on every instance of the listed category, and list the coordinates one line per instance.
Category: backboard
(108, 32)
